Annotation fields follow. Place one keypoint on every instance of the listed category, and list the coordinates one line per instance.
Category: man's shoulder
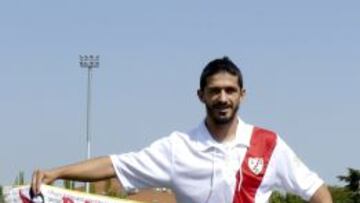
(178, 134)
(181, 135)
(263, 130)
(263, 138)
(255, 128)
(262, 134)
(268, 136)
(185, 138)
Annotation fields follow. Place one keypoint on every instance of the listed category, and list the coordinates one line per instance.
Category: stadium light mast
(90, 62)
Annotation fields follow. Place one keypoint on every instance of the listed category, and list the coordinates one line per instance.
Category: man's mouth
(222, 109)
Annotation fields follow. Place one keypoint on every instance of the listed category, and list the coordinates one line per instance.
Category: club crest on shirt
(256, 165)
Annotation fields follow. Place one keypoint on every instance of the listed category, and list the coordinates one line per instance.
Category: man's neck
(222, 132)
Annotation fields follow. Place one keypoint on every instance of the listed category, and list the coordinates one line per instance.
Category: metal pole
(88, 62)
(88, 116)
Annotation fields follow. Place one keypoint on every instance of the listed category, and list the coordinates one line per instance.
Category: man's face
(221, 96)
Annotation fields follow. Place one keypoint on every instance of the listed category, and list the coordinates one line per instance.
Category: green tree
(340, 194)
(277, 197)
(92, 188)
(113, 192)
(291, 198)
(69, 184)
(1, 195)
(352, 180)
(108, 185)
(20, 178)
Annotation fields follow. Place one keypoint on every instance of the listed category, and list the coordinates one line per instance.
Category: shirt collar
(206, 141)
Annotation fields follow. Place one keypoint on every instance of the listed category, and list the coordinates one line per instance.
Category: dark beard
(220, 120)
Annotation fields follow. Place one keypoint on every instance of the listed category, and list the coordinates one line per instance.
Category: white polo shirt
(199, 169)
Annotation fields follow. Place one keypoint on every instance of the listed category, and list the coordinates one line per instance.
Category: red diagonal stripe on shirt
(262, 145)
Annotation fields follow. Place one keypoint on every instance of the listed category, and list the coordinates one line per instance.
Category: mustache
(220, 105)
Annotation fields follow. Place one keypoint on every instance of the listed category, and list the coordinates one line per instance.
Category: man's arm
(322, 195)
(90, 170)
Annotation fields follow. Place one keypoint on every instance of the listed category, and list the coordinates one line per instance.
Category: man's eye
(230, 90)
(214, 91)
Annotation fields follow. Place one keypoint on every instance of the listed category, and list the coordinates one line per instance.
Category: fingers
(37, 178)
(33, 182)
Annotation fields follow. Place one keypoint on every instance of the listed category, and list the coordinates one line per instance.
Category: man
(222, 160)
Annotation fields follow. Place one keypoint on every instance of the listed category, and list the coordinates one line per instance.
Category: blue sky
(300, 62)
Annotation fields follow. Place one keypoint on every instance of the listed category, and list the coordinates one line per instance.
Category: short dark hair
(220, 65)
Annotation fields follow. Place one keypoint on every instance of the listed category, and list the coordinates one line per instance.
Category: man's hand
(39, 177)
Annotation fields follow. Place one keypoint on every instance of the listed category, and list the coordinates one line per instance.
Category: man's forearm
(322, 195)
(90, 170)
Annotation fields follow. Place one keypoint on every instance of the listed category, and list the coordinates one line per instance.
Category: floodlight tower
(90, 62)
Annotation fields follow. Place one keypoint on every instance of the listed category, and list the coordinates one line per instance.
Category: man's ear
(200, 94)
(242, 95)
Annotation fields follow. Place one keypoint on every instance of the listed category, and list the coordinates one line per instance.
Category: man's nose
(222, 96)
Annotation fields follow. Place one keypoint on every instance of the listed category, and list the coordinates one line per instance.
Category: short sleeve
(150, 167)
(292, 174)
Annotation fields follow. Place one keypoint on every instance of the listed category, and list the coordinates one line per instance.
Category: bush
(1, 195)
